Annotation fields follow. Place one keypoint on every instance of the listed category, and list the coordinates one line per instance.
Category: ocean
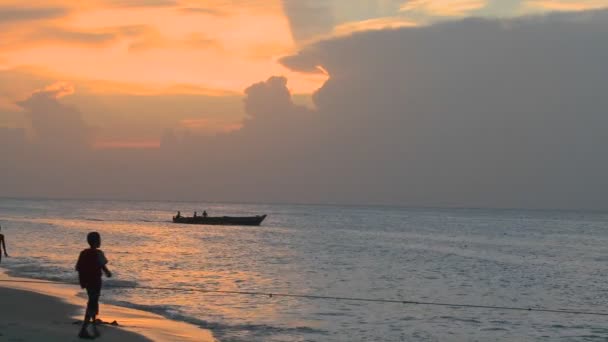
(514, 258)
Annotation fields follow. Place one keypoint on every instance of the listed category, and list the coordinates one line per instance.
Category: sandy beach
(47, 312)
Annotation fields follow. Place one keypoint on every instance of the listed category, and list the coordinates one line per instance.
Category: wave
(92, 219)
(151, 221)
(35, 271)
(123, 220)
(23, 267)
(119, 283)
(52, 220)
(227, 331)
(223, 331)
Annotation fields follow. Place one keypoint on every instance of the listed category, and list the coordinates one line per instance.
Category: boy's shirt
(89, 265)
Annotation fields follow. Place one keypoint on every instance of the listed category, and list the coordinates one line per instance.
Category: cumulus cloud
(474, 112)
(471, 113)
(55, 125)
(266, 98)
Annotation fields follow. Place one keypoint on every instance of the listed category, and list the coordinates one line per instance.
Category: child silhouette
(91, 263)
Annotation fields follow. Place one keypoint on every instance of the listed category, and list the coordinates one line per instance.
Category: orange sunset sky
(476, 103)
(135, 67)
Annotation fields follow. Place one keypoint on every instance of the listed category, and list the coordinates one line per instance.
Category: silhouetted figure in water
(89, 266)
(195, 214)
(204, 213)
(2, 245)
(179, 214)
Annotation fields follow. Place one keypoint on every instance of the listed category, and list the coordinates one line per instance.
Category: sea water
(514, 258)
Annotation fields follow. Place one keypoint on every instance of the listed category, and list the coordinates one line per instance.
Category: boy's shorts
(93, 304)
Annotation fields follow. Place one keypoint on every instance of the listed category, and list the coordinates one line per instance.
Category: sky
(465, 103)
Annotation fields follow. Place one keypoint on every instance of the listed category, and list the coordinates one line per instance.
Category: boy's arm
(106, 271)
(103, 261)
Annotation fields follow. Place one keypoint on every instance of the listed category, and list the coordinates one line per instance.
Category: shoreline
(38, 311)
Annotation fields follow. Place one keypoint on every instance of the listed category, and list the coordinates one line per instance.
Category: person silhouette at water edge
(2, 245)
(91, 262)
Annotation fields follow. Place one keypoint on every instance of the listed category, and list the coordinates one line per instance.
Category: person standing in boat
(2, 245)
(195, 214)
(205, 213)
(179, 214)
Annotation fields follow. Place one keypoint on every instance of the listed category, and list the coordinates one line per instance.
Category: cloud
(56, 90)
(312, 20)
(308, 18)
(202, 10)
(268, 97)
(86, 142)
(141, 3)
(89, 43)
(443, 8)
(470, 113)
(209, 126)
(19, 14)
(564, 5)
(473, 112)
(122, 111)
(11, 138)
(56, 35)
(155, 40)
(201, 41)
(55, 125)
(69, 36)
(126, 144)
(371, 24)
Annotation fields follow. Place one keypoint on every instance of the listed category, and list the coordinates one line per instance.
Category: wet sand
(47, 312)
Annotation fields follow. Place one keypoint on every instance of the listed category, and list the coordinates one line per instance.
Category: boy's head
(94, 239)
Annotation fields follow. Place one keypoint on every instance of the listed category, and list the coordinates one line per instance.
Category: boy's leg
(95, 331)
(83, 330)
(90, 312)
(93, 308)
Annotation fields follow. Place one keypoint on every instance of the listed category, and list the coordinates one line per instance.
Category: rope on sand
(304, 296)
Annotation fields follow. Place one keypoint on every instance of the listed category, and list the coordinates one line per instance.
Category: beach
(48, 312)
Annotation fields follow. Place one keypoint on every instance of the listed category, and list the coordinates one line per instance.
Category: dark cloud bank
(475, 113)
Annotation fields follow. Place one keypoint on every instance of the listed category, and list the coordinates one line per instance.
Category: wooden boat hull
(221, 220)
